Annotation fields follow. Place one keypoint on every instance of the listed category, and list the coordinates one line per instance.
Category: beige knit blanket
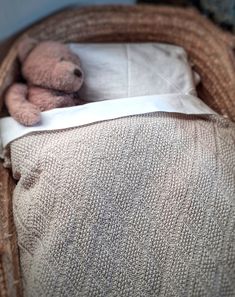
(137, 206)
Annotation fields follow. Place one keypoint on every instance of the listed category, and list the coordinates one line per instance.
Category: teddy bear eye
(62, 59)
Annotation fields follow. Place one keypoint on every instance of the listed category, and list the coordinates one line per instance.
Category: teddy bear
(53, 77)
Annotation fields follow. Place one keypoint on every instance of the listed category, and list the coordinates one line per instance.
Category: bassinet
(209, 48)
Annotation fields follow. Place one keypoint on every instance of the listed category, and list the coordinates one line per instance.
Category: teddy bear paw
(27, 118)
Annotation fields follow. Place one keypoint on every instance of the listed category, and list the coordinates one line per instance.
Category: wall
(17, 14)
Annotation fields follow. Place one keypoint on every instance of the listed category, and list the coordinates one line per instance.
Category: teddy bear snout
(77, 72)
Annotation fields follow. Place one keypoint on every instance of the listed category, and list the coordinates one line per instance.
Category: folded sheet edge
(69, 117)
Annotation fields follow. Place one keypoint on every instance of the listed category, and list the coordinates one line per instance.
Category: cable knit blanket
(137, 206)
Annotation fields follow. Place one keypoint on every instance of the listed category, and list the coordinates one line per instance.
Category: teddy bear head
(51, 65)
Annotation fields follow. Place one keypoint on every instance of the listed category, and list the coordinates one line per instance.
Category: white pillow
(123, 70)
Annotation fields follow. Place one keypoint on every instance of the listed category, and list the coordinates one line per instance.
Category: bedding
(135, 78)
(136, 206)
(131, 194)
(134, 69)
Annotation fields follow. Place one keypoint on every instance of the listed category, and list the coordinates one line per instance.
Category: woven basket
(209, 48)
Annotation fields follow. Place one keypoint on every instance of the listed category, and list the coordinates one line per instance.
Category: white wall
(17, 14)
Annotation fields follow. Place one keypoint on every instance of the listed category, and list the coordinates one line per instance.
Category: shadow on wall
(18, 14)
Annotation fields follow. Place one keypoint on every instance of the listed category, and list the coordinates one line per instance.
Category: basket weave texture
(209, 48)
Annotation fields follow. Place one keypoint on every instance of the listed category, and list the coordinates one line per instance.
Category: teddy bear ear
(25, 47)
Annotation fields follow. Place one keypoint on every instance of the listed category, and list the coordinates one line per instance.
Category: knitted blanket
(137, 206)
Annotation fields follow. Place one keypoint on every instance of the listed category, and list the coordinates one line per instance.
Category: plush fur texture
(53, 75)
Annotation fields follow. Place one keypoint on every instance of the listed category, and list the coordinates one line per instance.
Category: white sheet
(69, 117)
(120, 70)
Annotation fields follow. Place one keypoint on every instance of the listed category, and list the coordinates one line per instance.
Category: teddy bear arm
(19, 107)
(46, 99)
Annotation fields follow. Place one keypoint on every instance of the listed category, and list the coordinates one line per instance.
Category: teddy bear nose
(77, 72)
